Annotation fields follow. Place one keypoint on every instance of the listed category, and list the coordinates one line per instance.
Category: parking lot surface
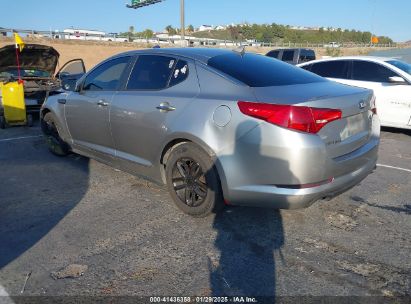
(127, 238)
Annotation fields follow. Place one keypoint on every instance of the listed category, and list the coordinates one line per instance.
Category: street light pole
(182, 23)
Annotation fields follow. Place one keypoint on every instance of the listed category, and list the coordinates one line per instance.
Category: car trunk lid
(341, 136)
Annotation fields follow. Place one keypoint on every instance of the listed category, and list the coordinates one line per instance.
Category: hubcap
(189, 182)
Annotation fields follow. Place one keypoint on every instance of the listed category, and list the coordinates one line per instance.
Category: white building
(204, 28)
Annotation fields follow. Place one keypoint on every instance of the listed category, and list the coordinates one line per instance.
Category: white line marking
(19, 138)
(396, 168)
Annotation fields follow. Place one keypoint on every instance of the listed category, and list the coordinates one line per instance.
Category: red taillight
(305, 119)
(373, 105)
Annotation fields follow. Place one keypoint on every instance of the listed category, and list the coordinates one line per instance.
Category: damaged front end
(37, 71)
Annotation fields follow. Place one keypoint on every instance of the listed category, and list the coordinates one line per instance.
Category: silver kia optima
(219, 127)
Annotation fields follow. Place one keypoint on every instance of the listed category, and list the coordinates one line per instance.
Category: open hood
(33, 57)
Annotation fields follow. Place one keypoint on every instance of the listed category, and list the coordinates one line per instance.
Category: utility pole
(182, 17)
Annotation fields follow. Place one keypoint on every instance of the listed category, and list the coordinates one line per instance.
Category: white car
(389, 78)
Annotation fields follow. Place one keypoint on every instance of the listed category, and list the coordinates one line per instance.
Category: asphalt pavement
(73, 226)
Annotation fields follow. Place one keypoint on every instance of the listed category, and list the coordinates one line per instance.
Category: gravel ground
(81, 228)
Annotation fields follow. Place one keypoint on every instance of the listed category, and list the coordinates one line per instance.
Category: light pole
(142, 3)
(182, 17)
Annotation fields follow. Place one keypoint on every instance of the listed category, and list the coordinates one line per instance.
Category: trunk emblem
(362, 104)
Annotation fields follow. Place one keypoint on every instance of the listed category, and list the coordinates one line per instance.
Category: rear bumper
(285, 198)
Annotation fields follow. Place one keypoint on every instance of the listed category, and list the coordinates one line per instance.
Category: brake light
(373, 105)
(305, 119)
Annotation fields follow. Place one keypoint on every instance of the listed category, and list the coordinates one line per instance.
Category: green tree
(148, 34)
(190, 29)
(170, 30)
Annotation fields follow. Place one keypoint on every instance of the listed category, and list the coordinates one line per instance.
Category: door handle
(165, 107)
(62, 101)
(102, 103)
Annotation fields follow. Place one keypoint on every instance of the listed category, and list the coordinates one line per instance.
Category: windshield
(406, 67)
(24, 73)
(261, 71)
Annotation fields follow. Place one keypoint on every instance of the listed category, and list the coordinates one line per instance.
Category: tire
(29, 120)
(193, 181)
(50, 130)
(3, 124)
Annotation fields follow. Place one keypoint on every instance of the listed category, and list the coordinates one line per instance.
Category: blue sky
(389, 18)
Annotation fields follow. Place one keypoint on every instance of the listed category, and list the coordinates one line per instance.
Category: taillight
(305, 119)
(373, 105)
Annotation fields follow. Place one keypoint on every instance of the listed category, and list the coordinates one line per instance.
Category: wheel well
(44, 112)
(166, 153)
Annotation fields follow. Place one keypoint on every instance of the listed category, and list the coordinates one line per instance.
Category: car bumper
(284, 198)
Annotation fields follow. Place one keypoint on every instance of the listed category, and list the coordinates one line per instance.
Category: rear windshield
(401, 65)
(261, 71)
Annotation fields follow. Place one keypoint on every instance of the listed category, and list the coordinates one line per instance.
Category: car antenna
(240, 50)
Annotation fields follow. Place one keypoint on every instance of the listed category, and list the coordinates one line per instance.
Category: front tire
(54, 142)
(193, 182)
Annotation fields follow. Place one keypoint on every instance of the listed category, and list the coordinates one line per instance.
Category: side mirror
(397, 80)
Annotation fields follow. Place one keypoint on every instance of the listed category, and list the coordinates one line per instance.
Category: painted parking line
(20, 138)
(395, 168)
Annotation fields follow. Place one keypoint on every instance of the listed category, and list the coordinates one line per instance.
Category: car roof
(365, 58)
(199, 54)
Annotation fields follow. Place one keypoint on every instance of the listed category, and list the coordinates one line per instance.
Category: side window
(106, 77)
(332, 69)
(273, 54)
(288, 56)
(180, 73)
(151, 72)
(306, 56)
(370, 71)
(307, 67)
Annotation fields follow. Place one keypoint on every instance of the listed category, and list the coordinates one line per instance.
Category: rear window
(261, 71)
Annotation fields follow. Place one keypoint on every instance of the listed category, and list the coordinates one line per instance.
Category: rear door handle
(102, 103)
(62, 101)
(166, 107)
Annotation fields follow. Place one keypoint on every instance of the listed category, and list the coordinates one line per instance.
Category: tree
(148, 34)
(190, 29)
(170, 30)
(130, 33)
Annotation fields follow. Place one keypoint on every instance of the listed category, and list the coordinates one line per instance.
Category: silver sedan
(219, 127)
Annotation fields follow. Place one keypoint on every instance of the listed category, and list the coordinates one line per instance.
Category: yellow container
(13, 103)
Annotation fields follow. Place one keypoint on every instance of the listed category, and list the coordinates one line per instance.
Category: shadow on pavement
(37, 190)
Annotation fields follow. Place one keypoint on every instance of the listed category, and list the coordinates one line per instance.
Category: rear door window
(333, 69)
(151, 72)
(261, 71)
(180, 73)
(371, 71)
(288, 56)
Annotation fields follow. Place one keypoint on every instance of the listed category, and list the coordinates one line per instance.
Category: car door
(392, 100)
(87, 111)
(158, 90)
(70, 72)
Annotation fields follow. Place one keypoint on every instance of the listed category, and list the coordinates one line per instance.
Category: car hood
(34, 56)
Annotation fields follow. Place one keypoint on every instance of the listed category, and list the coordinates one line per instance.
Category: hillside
(280, 33)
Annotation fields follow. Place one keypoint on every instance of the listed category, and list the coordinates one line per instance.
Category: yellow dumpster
(13, 110)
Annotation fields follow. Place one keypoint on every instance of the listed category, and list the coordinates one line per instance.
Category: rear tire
(54, 142)
(193, 181)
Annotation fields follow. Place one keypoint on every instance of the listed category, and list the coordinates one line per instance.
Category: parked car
(389, 78)
(293, 56)
(219, 126)
(332, 45)
(38, 67)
